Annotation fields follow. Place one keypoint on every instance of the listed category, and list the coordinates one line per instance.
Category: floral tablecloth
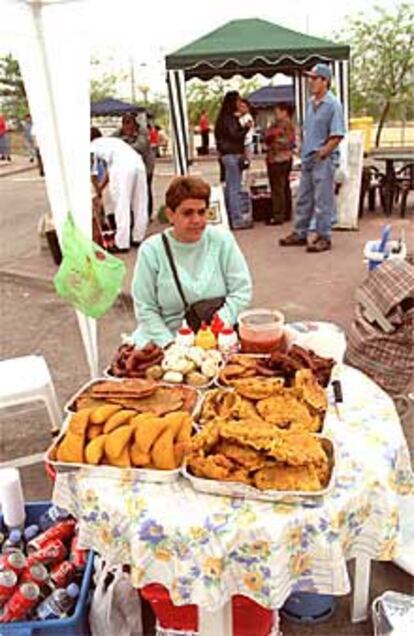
(205, 548)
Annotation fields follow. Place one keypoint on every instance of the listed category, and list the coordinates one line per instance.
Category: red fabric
(153, 136)
(3, 126)
(203, 122)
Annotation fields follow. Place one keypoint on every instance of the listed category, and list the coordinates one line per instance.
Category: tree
(209, 95)
(12, 91)
(103, 84)
(382, 67)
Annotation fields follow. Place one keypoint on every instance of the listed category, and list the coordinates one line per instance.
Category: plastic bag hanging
(89, 278)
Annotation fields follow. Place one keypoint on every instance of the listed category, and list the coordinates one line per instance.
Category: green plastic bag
(89, 278)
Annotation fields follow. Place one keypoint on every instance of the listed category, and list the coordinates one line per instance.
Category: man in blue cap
(324, 129)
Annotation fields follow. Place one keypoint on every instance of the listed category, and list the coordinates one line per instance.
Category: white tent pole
(54, 65)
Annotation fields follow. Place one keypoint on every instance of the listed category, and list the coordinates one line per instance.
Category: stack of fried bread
(300, 407)
(277, 364)
(251, 452)
(112, 435)
(140, 395)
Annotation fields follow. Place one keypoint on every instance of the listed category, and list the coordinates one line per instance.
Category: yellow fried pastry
(310, 390)
(70, 449)
(102, 413)
(93, 430)
(117, 441)
(175, 421)
(123, 460)
(180, 449)
(95, 449)
(285, 411)
(184, 433)
(148, 430)
(281, 477)
(257, 388)
(162, 452)
(79, 422)
(138, 458)
(118, 419)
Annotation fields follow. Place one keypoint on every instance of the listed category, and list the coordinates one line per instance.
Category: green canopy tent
(247, 47)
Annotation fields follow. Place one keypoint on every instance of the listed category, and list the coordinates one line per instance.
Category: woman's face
(189, 220)
(129, 128)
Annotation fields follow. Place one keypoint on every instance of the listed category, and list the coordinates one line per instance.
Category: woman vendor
(208, 261)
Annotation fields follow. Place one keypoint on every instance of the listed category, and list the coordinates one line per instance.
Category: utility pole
(132, 78)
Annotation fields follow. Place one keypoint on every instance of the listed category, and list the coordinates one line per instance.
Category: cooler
(248, 617)
(75, 625)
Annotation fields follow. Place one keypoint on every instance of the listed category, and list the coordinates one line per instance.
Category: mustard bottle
(205, 338)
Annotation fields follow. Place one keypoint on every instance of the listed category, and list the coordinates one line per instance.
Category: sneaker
(321, 244)
(291, 240)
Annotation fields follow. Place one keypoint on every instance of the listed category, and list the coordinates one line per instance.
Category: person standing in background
(4, 140)
(125, 176)
(247, 121)
(205, 132)
(323, 131)
(154, 139)
(28, 137)
(280, 140)
(132, 133)
(230, 136)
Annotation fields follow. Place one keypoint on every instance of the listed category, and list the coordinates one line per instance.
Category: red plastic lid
(185, 331)
(227, 331)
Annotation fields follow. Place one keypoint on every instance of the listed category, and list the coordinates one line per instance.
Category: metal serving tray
(107, 472)
(243, 491)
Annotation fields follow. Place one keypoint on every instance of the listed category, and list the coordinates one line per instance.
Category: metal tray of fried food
(106, 471)
(70, 406)
(246, 409)
(245, 491)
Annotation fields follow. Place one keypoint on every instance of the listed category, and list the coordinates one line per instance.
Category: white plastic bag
(116, 606)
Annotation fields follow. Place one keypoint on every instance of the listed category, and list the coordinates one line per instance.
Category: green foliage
(102, 84)
(209, 95)
(12, 91)
(382, 66)
(158, 109)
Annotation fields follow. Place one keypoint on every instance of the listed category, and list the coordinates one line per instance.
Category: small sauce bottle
(205, 338)
(216, 325)
(185, 335)
(228, 341)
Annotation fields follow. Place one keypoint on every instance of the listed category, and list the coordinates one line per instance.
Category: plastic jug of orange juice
(205, 338)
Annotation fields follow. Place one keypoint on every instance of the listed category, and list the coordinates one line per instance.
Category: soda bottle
(14, 542)
(51, 516)
(31, 532)
(59, 603)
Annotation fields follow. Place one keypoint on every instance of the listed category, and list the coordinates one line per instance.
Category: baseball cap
(320, 70)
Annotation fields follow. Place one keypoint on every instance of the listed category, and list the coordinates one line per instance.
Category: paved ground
(34, 319)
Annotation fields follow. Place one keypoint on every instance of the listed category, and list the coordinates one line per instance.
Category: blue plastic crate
(75, 625)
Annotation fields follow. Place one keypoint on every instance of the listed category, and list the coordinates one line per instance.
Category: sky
(131, 33)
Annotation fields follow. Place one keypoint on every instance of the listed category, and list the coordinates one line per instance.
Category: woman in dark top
(280, 141)
(230, 144)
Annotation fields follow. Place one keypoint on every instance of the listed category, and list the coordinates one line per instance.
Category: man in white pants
(126, 176)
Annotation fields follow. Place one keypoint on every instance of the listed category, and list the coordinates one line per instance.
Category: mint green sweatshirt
(213, 266)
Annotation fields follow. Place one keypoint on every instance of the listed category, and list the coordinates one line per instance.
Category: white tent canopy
(53, 54)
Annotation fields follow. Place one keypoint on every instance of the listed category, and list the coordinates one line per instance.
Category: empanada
(95, 449)
(147, 430)
(117, 441)
(162, 452)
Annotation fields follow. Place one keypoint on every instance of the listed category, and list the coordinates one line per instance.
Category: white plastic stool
(28, 379)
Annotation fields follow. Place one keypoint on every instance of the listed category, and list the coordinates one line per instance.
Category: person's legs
(139, 204)
(324, 188)
(121, 186)
(288, 191)
(275, 182)
(305, 201)
(232, 189)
